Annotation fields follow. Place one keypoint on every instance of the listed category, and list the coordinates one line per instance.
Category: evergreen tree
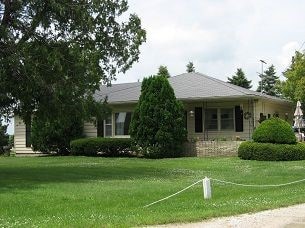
(190, 67)
(240, 79)
(157, 125)
(163, 71)
(270, 82)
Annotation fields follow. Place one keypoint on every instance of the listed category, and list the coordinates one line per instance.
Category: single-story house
(214, 109)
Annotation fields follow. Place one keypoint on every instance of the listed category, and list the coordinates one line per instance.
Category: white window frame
(109, 124)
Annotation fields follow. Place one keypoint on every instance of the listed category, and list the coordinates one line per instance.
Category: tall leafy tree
(190, 67)
(56, 53)
(163, 71)
(294, 86)
(240, 79)
(269, 80)
(157, 124)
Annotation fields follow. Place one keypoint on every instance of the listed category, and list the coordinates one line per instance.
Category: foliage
(163, 71)
(157, 125)
(270, 82)
(271, 152)
(294, 86)
(54, 134)
(79, 191)
(3, 137)
(240, 79)
(190, 67)
(11, 141)
(274, 130)
(54, 52)
(110, 147)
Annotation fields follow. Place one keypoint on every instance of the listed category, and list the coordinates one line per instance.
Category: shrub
(110, 147)
(271, 152)
(157, 126)
(3, 137)
(54, 134)
(274, 130)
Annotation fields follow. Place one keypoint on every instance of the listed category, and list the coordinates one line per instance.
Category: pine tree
(269, 81)
(163, 71)
(190, 67)
(157, 125)
(240, 79)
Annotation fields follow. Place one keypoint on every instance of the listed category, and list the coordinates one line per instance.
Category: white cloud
(217, 35)
(288, 50)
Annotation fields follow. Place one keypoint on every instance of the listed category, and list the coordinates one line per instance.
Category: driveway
(288, 217)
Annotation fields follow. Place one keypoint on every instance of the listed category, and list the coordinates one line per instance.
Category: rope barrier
(173, 194)
(225, 182)
(256, 185)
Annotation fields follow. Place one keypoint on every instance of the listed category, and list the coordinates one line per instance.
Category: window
(28, 129)
(211, 119)
(198, 119)
(226, 119)
(122, 122)
(108, 126)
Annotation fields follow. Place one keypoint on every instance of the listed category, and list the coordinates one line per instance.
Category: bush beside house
(274, 130)
(273, 140)
(110, 147)
(157, 125)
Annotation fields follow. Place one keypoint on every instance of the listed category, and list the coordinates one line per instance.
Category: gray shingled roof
(187, 86)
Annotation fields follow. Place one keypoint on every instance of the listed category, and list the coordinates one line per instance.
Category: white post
(207, 191)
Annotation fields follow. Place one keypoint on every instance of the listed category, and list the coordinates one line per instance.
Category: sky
(218, 36)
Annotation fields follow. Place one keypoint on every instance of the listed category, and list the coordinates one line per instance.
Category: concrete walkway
(288, 217)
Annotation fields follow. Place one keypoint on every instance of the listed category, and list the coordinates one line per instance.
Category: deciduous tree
(294, 86)
(58, 52)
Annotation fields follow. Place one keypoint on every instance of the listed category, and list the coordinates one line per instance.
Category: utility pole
(263, 62)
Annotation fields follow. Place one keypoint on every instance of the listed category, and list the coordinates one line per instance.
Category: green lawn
(95, 192)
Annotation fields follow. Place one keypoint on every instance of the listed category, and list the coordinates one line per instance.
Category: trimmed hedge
(271, 152)
(110, 147)
(274, 130)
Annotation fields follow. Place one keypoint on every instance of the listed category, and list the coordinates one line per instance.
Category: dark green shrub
(157, 126)
(110, 147)
(54, 134)
(274, 130)
(271, 152)
(4, 137)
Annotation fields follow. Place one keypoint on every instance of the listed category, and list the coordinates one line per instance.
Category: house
(214, 109)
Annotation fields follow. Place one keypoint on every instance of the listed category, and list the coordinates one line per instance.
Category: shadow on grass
(19, 176)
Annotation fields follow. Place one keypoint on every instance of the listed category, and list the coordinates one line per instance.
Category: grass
(95, 192)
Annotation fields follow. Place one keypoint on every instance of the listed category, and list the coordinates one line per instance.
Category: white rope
(226, 182)
(173, 194)
(254, 185)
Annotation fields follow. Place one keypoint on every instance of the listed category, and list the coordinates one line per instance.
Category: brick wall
(212, 148)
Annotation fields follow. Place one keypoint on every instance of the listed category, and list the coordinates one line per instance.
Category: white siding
(268, 107)
(19, 138)
(219, 134)
(90, 129)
